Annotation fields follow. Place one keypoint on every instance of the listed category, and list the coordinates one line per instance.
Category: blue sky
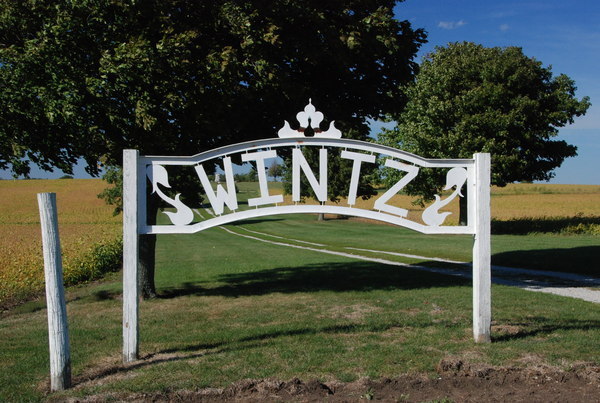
(564, 34)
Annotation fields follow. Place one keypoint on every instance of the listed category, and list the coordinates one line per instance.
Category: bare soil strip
(455, 381)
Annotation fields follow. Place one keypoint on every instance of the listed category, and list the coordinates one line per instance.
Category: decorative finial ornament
(310, 116)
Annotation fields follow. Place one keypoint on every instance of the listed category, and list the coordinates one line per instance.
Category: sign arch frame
(137, 168)
(271, 144)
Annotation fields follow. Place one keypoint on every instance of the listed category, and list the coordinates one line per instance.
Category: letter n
(298, 163)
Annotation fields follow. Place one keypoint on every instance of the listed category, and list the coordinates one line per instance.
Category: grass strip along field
(234, 308)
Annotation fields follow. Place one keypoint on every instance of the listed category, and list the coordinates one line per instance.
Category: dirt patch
(455, 381)
(503, 330)
(354, 312)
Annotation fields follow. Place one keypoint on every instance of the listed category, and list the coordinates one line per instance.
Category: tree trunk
(462, 206)
(147, 255)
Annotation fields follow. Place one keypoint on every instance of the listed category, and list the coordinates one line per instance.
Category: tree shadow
(250, 341)
(540, 326)
(198, 350)
(338, 277)
(580, 260)
(103, 295)
(255, 221)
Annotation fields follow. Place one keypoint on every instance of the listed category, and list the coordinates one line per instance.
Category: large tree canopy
(468, 98)
(90, 78)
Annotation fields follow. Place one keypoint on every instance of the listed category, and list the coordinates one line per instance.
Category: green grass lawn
(568, 253)
(234, 308)
(539, 250)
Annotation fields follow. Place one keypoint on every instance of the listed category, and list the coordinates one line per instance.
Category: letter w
(222, 197)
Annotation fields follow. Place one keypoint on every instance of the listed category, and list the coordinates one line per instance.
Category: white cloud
(451, 24)
(503, 14)
(504, 27)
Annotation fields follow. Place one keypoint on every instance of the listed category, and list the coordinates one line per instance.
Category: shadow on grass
(541, 326)
(338, 277)
(337, 329)
(104, 295)
(198, 350)
(582, 260)
(255, 221)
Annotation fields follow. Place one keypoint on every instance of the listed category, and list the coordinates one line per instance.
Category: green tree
(468, 98)
(87, 79)
(275, 170)
(113, 194)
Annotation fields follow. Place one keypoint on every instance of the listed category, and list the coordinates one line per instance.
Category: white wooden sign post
(482, 276)
(132, 210)
(58, 330)
(474, 173)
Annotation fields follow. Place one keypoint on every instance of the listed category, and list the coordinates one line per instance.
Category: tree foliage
(113, 194)
(90, 78)
(275, 170)
(250, 176)
(468, 98)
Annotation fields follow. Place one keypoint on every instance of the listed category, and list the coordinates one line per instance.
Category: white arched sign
(137, 170)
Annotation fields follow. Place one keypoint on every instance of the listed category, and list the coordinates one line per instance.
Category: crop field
(522, 201)
(519, 201)
(84, 223)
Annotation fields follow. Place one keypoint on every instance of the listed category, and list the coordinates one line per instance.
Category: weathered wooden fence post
(58, 331)
(131, 291)
(482, 299)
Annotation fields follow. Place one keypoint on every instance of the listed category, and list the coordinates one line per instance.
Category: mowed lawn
(233, 308)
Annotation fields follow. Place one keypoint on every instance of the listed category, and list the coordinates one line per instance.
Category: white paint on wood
(131, 224)
(157, 175)
(260, 150)
(455, 178)
(411, 173)
(482, 299)
(58, 330)
(221, 197)
(308, 209)
(266, 144)
(309, 117)
(265, 198)
(299, 163)
(357, 160)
